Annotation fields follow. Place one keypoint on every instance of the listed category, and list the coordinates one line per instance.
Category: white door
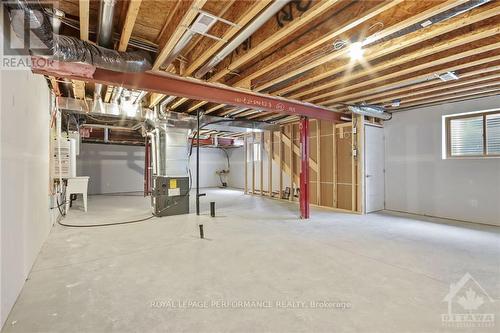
(374, 168)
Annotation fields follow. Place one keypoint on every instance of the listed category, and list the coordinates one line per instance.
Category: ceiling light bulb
(356, 51)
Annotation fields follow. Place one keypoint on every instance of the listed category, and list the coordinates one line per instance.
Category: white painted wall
(236, 177)
(111, 168)
(419, 181)
(211, 159)
(24, 178)
(109, 165)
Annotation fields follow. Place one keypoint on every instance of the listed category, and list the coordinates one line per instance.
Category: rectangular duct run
(170, 158)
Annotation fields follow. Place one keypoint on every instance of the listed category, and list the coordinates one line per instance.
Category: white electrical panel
(60, 158)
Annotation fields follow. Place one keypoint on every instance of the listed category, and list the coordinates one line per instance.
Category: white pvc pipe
(72, 155)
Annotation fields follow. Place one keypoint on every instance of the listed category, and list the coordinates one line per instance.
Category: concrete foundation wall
(24, 178)
(109, 165)
(419, 181)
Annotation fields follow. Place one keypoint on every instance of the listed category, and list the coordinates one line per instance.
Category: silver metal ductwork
(370, 111)
(266, 15)
(125, 111)
(45, 43)
(135, 111)
(105, 24)
(172, 149)
(170, 165)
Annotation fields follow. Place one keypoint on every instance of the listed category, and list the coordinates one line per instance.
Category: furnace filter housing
(170, 195)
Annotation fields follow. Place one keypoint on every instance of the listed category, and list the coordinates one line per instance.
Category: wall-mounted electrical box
(60, 158)
(63, 157)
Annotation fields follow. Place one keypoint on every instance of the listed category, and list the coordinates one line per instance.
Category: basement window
(474, 134)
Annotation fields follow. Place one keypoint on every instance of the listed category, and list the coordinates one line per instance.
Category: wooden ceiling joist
(128, 26)
(492, 90)
(405, 51)
(109, 92)
(385, 48)
(442, 65)
(260, 115)
(454, 66)
(215, 108)
(55, 85)
(196, 106)
(437, 86)
(230, 33)
(176, 32)
(334, 55)
(402, 92)
(78, 89)
(451, 100)
(198, 39)
(293, 26)
(308, 16)
(181, 101)
(447, 91)
(84, 7)
(421, 53)
(247, 113)
(335, 26)
(230, 111)
(154, 99)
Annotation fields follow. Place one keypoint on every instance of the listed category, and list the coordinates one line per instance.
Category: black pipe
(202, 235)
(212, 208)
(198, 166)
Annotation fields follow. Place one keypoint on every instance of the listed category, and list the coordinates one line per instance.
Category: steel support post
(304, 167)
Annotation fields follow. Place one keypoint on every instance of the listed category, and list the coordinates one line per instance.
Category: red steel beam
(304, 167)
(168, 84)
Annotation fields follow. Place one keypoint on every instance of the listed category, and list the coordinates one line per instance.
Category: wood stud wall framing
(336, 174)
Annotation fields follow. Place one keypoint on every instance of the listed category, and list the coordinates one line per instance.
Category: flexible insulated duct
(43, 42)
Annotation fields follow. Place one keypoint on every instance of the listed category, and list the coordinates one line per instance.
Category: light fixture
(448, 76)
(356, 50)
(395, 103)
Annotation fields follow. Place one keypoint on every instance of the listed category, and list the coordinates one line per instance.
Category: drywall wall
(419, 181)
(108, 166)
(236, 177)
(111, 168)
(24, 178)
(211, 160)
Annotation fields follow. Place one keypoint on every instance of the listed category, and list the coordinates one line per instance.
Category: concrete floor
(390, 271)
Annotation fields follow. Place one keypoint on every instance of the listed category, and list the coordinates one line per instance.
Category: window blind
(466, 136)
(493, 134)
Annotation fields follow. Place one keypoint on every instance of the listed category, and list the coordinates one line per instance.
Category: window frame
(483, 114)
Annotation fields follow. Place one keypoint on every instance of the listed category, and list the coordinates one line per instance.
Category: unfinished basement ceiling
(303, 50)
